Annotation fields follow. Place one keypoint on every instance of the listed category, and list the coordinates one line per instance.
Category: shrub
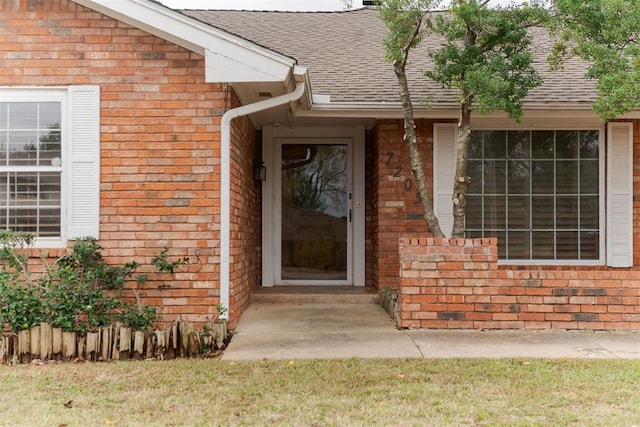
(71, 293)
(21, 306)
(138, 317)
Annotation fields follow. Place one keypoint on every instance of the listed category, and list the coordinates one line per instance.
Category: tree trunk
(411, 139)
(461, 180)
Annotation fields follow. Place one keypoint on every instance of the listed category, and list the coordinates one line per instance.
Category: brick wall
(396, 209)
(462, 286)
(160, 147)
(457, 284)
(245, 270)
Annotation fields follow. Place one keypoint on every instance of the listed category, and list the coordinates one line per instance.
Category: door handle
(350, 212)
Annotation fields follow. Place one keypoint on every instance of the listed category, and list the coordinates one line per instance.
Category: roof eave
(450, 110)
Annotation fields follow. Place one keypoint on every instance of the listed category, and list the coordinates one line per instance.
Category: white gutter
(225, 183)
(388, 110)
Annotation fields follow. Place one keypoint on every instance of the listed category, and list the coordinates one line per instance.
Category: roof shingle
(346, 60)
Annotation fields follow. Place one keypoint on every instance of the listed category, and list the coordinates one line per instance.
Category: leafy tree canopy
(485, 58)
(486, 54)
(606, 33)
(407, 22)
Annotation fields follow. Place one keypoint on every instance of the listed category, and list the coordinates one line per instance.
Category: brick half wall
(458, 284)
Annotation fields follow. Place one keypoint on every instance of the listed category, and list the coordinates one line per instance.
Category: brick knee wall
(458, 284)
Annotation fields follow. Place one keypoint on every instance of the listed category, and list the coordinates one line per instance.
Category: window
(563, 208)
(49, 158)
(30, 167)
(538, 192)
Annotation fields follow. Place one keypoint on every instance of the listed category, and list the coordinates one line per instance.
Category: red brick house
(267, 147)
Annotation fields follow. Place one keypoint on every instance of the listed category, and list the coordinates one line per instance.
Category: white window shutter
(83, 209)
(444, 170)
(620, 195)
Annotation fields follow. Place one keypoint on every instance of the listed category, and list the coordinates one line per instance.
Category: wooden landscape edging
(114, 342)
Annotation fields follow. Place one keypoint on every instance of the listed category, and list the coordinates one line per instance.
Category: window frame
(602, 170)
(55, 94)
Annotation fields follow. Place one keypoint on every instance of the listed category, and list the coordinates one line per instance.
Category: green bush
(138, 317)
(71, 293)
(21, 306)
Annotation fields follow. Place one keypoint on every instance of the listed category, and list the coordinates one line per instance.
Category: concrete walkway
(297, 330)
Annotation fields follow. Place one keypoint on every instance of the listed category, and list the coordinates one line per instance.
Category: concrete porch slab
(302, 330)
(317, 331)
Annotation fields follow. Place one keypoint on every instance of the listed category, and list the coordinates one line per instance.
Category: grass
(212, 392)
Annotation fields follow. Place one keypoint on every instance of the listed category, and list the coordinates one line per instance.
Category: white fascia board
(393, 110)
(228, 58)
(630, 115)
(222, 65)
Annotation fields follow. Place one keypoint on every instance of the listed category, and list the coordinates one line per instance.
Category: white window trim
(601, 193)
(64, 96)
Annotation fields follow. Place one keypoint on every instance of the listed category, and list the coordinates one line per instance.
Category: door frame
(354, 137)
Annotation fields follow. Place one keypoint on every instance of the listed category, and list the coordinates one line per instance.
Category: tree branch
(414, 36)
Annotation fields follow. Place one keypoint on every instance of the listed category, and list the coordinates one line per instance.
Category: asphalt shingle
(346, 60)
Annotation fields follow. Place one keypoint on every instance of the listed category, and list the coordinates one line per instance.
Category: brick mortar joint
(448, 242)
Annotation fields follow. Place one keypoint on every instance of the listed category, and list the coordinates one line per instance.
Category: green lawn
(318, 393)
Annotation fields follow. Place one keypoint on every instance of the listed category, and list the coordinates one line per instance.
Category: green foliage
(75, 297)
(21, 306)
(485, 51)
(86, 264)
(76, 305)
(605, 33)
(138, 317)
(71, 293)
(486, 54)
(162, 263)
(221, 310)
(407, 21)
(12, 246)
(484, 57)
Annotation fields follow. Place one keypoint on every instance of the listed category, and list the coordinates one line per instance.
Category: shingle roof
(346, 60)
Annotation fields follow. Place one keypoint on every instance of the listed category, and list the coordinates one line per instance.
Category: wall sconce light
(260, 172)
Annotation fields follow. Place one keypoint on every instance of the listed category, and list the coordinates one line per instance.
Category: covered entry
(313, 206)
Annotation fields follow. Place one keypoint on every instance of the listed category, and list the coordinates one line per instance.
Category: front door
(314, 220)
(309, 200)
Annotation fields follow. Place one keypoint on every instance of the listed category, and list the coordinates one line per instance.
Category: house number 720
(408, 183)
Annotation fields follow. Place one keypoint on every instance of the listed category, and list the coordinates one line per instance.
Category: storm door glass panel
(314, 212)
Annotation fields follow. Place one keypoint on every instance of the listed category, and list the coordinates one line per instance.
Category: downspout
(225, 184)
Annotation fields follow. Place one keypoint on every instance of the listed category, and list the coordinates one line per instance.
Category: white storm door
(314, 213)
(313, 206)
